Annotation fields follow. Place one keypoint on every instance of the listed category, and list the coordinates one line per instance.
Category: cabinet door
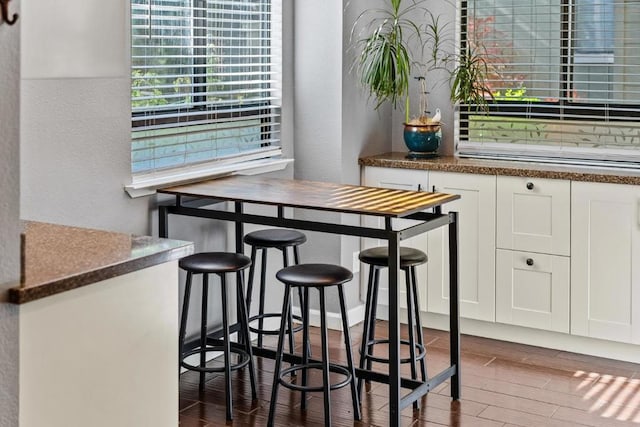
(402, 179)
(477, 248)
(605, 261)
(532, 290)
(533, 214)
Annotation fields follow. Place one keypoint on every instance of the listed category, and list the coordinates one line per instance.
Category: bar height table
(197, 199)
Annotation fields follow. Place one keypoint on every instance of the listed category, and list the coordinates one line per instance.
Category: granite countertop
(58, 258)
(505, 167)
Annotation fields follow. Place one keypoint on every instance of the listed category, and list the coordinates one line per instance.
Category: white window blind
(206, 82)
(564, 75)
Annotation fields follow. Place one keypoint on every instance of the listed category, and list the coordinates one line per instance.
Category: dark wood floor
(504, 384)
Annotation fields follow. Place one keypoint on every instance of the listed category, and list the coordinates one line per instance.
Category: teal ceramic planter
(422, 140)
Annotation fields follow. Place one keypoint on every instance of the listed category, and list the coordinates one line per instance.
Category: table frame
(195, 207)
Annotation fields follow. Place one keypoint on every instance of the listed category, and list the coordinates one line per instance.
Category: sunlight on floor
(614, 397)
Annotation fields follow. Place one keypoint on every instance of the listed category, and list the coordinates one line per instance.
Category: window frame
(267, 159)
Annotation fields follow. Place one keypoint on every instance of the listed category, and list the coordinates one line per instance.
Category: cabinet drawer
(532, 290)
(533, 215)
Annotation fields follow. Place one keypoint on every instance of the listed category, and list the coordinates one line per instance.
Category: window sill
(147, 185)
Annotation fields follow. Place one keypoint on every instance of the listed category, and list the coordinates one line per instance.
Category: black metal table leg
(394, 332)
(239, 229)
(454, 312)
(163, 221)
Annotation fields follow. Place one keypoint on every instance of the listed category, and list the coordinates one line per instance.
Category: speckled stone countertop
(505, 167)
(59, 258)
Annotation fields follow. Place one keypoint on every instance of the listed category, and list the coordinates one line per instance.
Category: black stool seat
(275, 238)
(214, 262)
(380, 256)
(314, 275)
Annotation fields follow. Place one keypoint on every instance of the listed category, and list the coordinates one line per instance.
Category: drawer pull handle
(529, 262)
(530, 185)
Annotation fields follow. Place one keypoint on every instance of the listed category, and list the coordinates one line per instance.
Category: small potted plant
(390, 46)
(422, 134)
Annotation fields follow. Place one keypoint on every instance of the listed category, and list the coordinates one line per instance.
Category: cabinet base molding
(529, 336)
(540, 338)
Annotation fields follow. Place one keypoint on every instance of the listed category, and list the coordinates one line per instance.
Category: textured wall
(9, 215)
(334, 122)
(75, 121)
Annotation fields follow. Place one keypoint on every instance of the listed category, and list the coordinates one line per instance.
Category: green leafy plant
(384, 61)
(468, 79)
(390, 46)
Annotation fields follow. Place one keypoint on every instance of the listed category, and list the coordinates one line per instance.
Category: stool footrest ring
(309, 388)
(244, 359)
(420, 355)
(271, 331)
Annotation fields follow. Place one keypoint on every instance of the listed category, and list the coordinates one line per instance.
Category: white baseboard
(529, 336)
(355, 315)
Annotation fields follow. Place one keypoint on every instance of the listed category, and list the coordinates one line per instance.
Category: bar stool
(317, 276)
(281, 239)
(219, 263)
(378, 258)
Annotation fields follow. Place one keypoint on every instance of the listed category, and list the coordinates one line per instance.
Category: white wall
(334, 123)
(9, 214)
(75, 121)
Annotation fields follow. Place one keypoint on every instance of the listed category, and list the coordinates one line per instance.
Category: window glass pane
(521, 45)
(161, 54)
(565, 75)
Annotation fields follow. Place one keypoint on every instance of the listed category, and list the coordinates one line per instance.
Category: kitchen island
(98, 320)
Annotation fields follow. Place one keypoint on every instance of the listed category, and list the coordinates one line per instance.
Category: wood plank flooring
(503, 385)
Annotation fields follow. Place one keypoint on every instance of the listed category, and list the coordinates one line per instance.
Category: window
(565, 80)
(205, 82)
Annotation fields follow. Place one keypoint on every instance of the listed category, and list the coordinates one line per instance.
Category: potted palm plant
(391, 47)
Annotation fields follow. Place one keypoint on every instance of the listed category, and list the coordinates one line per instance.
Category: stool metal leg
(374, 310)
(246, 338)
(416, 307)
(410, 324)
(285, 263)
(411, 329)
(286, 306)
(226, 346)
(306, 346)
(302, 300)
(263, 279)
(252, 271)
(184, 317)
(326, 385)
(203, 327)
(364, 347)
(347, 343)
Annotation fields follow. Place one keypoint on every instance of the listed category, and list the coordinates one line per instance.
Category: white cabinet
(532, 260)
(532, 290)
(403, 179)
(605, 261)
(533, 214)
(476, 248)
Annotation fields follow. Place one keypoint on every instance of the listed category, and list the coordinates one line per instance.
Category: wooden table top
(314, 195)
